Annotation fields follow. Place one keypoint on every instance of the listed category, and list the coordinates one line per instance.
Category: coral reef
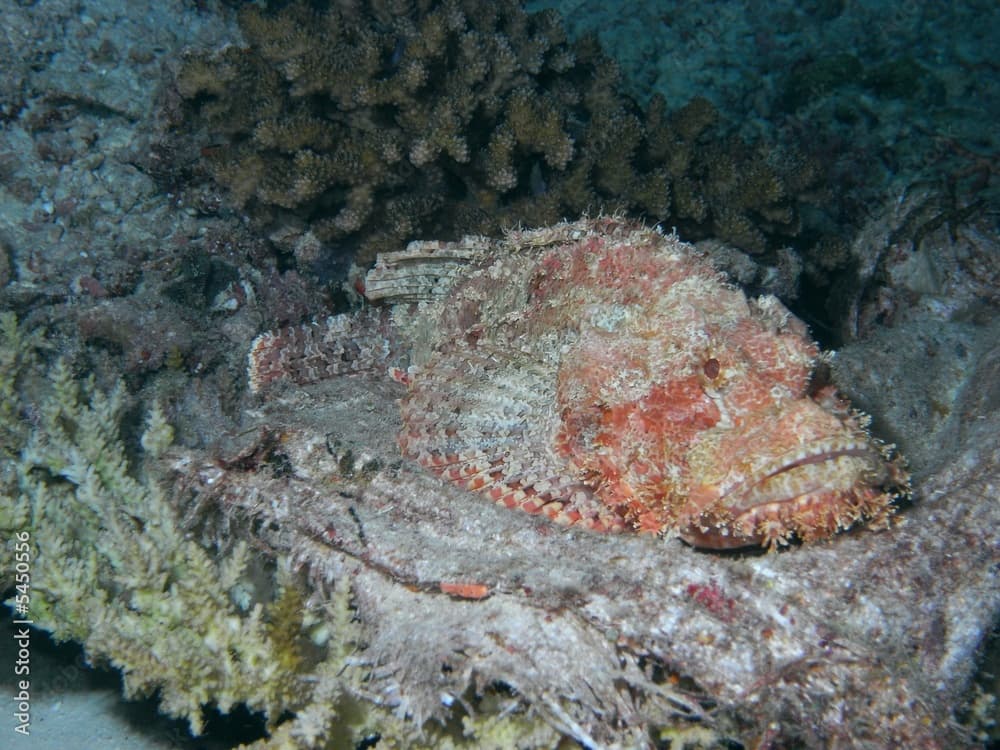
(889, 100)
(366, 126)
(490, 628)
(608, 640)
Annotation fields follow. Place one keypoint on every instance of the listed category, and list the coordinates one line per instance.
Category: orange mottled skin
(611, 378)
(605, 375)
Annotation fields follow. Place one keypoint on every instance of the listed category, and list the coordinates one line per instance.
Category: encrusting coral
(372, 124)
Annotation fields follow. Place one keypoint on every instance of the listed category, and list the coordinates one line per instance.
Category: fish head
(786, 458)
(712, 427)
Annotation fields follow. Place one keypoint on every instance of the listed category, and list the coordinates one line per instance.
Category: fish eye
(711, 368)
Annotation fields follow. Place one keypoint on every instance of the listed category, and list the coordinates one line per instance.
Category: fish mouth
(829, 453)
(809, 492)
(827, 467)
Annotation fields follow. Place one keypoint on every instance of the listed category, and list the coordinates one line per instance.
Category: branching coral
(377, 124)
(111, 566)
(113, 569)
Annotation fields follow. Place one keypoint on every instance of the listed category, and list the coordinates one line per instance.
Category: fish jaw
(805, 472)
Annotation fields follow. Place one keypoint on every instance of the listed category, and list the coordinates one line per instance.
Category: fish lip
(817, 453)
(860, 450)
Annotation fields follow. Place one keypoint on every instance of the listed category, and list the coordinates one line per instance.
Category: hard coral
(377, 124)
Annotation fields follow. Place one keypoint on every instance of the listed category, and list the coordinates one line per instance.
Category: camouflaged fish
(604, 374)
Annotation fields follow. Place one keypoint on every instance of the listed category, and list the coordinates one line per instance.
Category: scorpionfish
(604, 374)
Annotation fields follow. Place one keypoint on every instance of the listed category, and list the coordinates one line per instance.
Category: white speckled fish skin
(604, 374)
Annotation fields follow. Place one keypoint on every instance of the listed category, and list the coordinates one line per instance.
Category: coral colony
(376, 127)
